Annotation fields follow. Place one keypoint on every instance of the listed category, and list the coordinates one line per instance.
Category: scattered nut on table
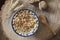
(32, 1)
(42, 5)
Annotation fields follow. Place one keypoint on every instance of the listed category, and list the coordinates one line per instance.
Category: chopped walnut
(32, 1)
(42, 5)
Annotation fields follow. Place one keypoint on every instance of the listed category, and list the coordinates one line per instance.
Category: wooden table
(52, 14)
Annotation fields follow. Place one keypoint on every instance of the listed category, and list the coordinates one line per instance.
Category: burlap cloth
(43, 33)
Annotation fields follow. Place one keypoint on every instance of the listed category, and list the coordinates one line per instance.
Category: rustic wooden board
(52, 14)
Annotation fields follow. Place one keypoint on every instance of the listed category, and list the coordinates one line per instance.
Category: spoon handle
(50, 28)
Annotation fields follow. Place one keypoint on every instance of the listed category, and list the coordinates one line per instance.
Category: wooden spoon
(44, 21)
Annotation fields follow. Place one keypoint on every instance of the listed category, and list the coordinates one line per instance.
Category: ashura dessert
(25, 22)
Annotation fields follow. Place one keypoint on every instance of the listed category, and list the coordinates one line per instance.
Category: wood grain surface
(2, 35)
(52, 8)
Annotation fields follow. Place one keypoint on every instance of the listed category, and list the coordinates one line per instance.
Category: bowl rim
(15, 12)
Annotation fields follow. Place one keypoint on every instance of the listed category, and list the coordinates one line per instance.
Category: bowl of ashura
(25, 22)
